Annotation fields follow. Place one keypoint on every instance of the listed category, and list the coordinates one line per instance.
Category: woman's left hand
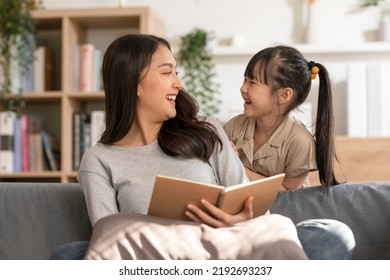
(217, 217)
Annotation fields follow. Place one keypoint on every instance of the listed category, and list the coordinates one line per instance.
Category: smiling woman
(157, 91)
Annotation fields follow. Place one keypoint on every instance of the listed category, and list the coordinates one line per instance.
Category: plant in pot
(384, 6)
(195, 60)
(17, 45)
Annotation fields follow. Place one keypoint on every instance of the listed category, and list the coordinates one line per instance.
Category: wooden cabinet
(63, 30)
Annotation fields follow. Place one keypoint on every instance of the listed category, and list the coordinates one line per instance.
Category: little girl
(267, 138)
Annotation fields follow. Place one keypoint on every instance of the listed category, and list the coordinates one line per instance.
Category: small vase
(384, 29)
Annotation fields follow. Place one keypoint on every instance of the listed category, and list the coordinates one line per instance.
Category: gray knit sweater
(117, 179)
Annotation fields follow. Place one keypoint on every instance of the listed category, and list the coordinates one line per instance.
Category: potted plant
(384, 6)
(17, 44)
(195, 60)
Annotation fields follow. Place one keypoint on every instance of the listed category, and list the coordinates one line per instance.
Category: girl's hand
(218, 218)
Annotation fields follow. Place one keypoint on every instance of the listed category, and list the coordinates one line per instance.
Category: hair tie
(314, 70)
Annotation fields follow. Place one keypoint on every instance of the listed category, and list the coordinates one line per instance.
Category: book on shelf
(35, 144)
(171, 196)
(87, 60)
(18, 145)
(87, 66)
(85, 131)
(76, 137)
(7, 133)
(36, 152)
(98, 70)
(15, 73)
(25, 134)
(98, 124)
(43, 69)
(48, 151)
(80, 121)
(76, 68)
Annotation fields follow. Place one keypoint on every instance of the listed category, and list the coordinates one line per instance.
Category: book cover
(18, 145)
(43, 69)
(98, 124)
(98, 70)
(171, 196)
(85, 133)
(48, 151)
(36, 152)
(25, 127)
(7, 133)
(76, 140)
(79, 118)
(87, 73)
(76, 68)
(15, 71)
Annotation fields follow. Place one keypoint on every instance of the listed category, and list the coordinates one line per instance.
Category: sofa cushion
(35, 218)
(364, 207)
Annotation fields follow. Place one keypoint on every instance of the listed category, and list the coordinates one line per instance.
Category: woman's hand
(216, 217)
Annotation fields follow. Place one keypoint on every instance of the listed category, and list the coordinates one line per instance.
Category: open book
(171, 196)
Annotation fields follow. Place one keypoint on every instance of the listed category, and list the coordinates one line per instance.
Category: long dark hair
(283, 66)
(184, 135)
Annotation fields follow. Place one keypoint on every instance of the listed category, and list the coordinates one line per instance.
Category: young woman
(153, 128)
(267, 138)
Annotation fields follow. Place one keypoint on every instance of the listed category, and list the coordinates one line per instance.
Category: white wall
(259, 23)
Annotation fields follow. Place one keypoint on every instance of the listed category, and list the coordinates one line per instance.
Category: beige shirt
(290, 149)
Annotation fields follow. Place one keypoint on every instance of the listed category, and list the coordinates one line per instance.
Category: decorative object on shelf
(310, 22)
(17, 45)
(199, 72)
(237, 40)
(122, 3)
(384, 23)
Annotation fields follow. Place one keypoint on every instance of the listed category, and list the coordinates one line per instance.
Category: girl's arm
(294, 182)
(287, 184)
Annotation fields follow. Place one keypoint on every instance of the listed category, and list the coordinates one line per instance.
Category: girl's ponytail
(324, 132)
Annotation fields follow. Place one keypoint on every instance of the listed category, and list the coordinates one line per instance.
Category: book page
(171, 196)
(264, 192)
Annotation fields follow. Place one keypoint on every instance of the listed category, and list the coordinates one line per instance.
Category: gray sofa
(35, 218)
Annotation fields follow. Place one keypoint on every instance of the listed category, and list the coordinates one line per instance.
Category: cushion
(135, 236)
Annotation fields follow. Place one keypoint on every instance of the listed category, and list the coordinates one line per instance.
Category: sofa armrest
(35, 218)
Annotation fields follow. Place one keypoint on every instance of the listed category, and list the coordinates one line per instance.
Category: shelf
(366, 48)
(51, 174)
(87, 96)
(358, 51)
(38, 97)
(44, 176)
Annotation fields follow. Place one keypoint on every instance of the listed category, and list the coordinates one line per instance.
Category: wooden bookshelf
(62, 30)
